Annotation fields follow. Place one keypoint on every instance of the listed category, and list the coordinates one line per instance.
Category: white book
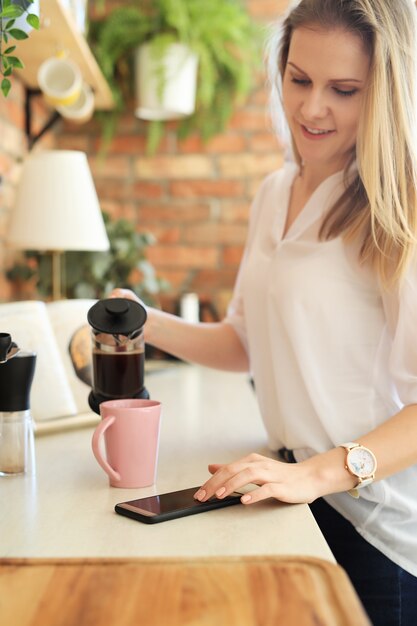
(47, 329)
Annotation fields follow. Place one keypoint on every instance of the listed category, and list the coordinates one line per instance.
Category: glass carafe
(17, 454)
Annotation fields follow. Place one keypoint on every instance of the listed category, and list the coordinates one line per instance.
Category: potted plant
(219, 32)
(95, 274)
(15, 23)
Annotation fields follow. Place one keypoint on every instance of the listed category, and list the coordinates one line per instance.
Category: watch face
(361, 462)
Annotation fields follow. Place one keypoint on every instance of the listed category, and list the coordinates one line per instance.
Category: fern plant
(220, 32)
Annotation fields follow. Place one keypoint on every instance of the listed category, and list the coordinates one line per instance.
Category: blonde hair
(380, 200)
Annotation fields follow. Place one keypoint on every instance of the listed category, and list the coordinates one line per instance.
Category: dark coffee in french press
(118, 350)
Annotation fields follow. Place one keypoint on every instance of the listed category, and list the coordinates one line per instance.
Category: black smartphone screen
(171, 505)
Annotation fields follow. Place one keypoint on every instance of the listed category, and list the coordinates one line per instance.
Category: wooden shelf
(58, 33)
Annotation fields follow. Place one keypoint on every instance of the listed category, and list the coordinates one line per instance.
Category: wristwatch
(360, 462)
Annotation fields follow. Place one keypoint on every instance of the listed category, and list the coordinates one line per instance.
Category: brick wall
(13, 148)
(193, 197)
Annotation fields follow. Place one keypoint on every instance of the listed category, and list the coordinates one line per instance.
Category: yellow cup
(60, 81)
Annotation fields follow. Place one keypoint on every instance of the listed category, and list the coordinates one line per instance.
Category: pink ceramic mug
(131, 434)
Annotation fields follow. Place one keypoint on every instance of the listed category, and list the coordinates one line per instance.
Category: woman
(324, 308)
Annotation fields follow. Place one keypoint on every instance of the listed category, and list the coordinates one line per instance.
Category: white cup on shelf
(60, 81)
(82, 109)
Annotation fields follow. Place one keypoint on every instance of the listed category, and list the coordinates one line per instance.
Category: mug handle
(95, 444)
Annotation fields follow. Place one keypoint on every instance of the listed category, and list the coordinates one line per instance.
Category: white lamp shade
(56, 206)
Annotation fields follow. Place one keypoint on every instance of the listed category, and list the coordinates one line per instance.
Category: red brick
(232, 255)
(212, 281)
(183, 256)
(177, 279)
(246, 119)
(15, 112)
(249, 165)
(215, 233)
(173, 213)
(227, 143)
(8, 171)
(112, 189)
(164, 234)
(134, 144)
(207, 188)
(265, 142)
(234, 211)
(73, 141)
(191, 145)
(147, 191)
(110, 167)
(173, 167)
(119, 209)
(12, 140)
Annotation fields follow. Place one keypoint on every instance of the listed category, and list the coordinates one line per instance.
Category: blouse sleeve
(400, 307)
(236, 312)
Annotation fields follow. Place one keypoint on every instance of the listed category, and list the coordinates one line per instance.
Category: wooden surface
(193, 592)
(59, 33)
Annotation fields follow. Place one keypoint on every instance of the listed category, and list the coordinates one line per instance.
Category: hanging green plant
(220, 32)
(10, 11)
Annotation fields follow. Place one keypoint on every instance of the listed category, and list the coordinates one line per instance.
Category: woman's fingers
(231, 477)
(124, 293)
(213, 467)
(292, 483)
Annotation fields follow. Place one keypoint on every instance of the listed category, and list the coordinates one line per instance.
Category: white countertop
(66, 510)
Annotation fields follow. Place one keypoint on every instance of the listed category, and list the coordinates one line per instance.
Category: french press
(118, 350)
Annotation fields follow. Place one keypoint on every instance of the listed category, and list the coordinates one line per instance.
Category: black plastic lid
(16, 377)
(5, 345)
(117, 316)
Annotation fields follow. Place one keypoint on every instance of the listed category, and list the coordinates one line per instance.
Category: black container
(17, 369)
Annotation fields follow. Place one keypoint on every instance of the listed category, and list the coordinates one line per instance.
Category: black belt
(287, 455)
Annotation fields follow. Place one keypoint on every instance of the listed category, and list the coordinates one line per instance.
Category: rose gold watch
(361, 463)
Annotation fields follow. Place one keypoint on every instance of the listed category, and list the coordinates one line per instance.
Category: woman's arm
(213, 345)
(393, 443)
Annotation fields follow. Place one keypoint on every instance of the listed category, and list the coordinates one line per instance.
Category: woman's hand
(126, 293)
(288, 482)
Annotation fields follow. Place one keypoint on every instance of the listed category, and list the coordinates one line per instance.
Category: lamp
(57, 209)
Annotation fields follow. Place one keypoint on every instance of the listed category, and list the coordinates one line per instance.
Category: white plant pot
(176, 99)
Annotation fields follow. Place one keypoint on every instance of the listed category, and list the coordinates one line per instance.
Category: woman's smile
(316, 134)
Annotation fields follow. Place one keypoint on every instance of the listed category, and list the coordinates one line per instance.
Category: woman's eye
(300, 81)
(345, 92)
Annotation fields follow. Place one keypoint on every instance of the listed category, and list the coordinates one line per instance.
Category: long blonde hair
(379, 203)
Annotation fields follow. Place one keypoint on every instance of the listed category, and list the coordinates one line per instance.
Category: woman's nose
(314, 105)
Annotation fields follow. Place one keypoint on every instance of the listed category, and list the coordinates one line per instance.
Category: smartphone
(171, 505)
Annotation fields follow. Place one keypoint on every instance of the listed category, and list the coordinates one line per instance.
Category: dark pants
(388, 593)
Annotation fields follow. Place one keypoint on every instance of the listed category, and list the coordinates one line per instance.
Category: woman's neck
(310, 176)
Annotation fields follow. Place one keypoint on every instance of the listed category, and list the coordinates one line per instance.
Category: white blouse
(332, 354)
